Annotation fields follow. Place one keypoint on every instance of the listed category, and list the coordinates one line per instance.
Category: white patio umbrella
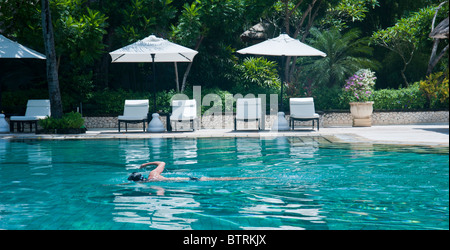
(10, 49)
(153, 49)
(283, 45)
(163, 50)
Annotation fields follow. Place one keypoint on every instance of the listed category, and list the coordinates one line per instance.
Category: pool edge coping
(345, 138)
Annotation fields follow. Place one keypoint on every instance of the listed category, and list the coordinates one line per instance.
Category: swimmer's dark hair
(135, 177)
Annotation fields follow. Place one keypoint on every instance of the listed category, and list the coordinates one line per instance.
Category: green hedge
(400, 99)
(410, 98)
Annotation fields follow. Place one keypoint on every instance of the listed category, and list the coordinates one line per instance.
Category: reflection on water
(221, 207)
(184, 151)
(157, 211)
(134, 152)
(301, 214)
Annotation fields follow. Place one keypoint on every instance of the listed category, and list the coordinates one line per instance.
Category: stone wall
(403, 118)
(104, 122)
(327, 119)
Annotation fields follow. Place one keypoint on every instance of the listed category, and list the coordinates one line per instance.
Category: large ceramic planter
(361, 113)
(4, 126)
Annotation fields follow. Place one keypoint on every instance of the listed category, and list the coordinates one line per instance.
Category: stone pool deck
(420, 134)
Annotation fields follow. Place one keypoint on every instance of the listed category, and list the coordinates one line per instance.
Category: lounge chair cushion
(36, 110)
(183, 110)
(248, 109)
(132, 118)
(27, 118)
(303, 108)
(135, 110)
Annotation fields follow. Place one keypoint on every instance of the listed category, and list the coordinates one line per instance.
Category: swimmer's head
(135, 177)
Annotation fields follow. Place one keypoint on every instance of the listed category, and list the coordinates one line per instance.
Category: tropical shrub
(70, 120)
(405, 37)
(346, 53)
(256, 75)
(435, 89)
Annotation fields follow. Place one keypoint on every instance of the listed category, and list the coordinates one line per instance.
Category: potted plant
(70, 123)
(361, 86)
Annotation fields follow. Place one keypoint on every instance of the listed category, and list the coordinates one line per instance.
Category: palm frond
(346, 54)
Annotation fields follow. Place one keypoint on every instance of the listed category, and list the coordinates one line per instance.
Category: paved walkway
(401, 134)
(422, 134)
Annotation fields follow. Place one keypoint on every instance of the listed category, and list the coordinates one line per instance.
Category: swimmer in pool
(155, 175)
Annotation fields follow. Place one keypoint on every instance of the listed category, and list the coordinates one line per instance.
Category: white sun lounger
(302, 109)
(135, 111)
(184, 110)
(36, 110)
(248, 110)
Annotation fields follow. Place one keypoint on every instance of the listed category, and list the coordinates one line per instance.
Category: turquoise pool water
(305, 183)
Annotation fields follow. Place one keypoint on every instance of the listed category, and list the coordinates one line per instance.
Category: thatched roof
(441, 30)
(257, 33)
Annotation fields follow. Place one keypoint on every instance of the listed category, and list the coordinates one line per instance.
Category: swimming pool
(305, 183)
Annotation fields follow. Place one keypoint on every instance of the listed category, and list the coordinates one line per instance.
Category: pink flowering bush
(361, 85)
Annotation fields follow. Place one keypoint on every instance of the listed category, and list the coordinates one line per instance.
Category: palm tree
(346, 54)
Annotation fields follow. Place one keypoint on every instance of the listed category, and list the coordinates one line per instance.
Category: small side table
(168, 125)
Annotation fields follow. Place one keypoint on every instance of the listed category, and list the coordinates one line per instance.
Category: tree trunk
(435, 59)
(183, 85)
(290, 67)
(1, 108)
(402, 72)
(52, 64)
(405, 65)
(433, 55)
(176, 76)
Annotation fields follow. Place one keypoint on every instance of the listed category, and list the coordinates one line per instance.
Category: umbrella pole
(280, 122)
(1, 97)
(155, 125)
(283, 59)
(4, 126)
(154, 83)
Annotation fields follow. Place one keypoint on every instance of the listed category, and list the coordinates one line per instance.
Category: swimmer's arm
(157, 171)
(157, 163)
